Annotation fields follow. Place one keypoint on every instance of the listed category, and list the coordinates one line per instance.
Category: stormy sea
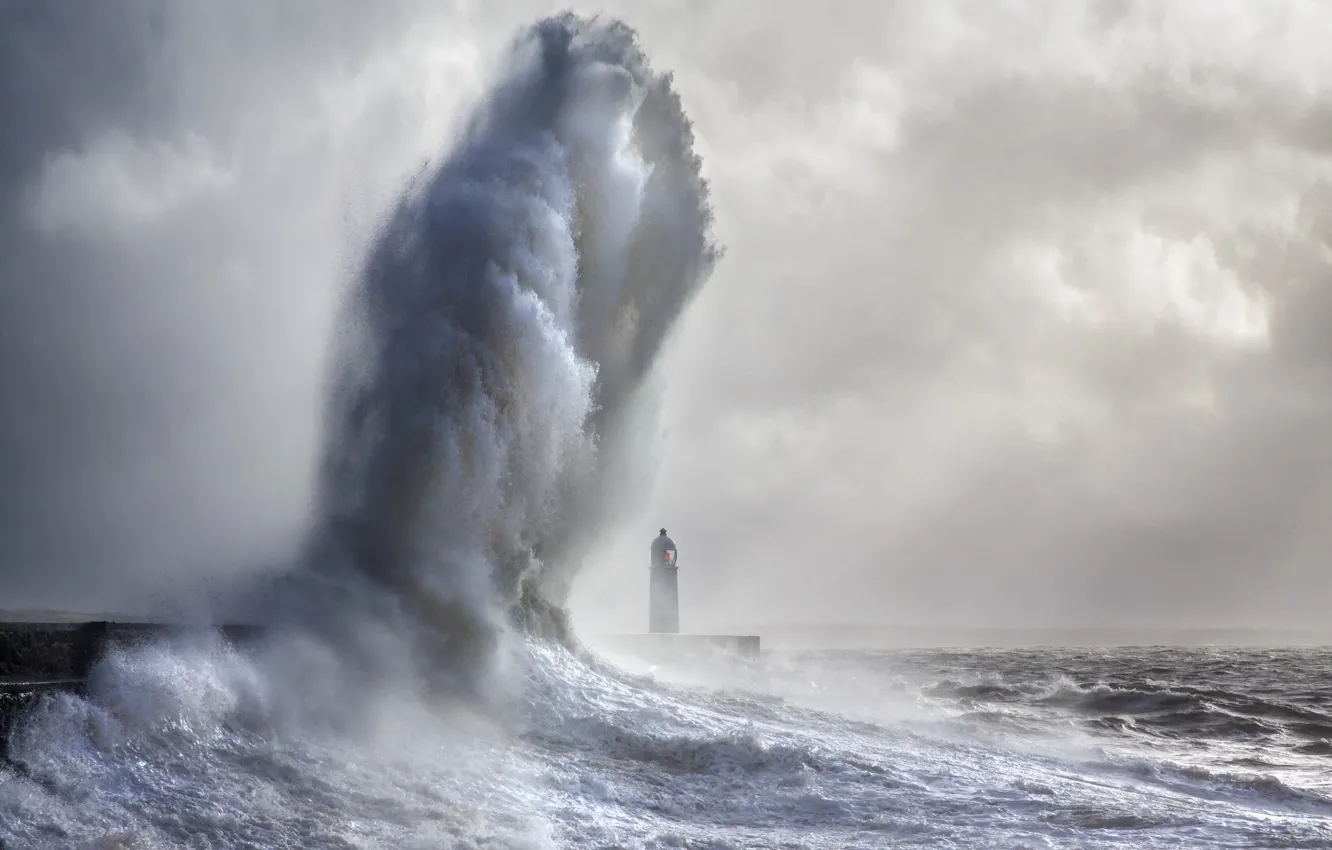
(420, 685)
(200, 746)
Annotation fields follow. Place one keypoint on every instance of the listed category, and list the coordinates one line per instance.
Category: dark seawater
(1048, 747)
(1264, 708)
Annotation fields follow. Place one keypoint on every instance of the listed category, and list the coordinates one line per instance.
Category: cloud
(1037, 358)
(117, 183)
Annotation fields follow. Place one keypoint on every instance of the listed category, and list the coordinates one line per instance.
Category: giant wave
(492, 351)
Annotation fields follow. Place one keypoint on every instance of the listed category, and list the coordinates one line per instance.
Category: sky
(1025, 316)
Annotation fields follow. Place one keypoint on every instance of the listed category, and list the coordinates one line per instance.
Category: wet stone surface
(33, 650)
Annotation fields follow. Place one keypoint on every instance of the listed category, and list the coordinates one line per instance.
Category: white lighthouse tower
(663, 642)
(664, 590)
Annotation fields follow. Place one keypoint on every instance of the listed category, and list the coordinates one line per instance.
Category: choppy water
(198, 746)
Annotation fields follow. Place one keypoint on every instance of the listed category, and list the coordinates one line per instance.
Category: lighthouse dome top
(663, 550)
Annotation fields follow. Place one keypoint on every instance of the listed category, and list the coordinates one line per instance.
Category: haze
(1025, 317)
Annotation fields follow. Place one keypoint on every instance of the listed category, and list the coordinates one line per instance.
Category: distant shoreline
(858, 636)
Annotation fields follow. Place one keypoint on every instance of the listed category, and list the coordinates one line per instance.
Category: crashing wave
(507, 315)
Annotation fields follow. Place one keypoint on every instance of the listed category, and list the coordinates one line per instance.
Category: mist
(1024, 317)
(187, 191)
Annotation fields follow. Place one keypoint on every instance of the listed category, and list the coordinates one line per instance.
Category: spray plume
(508, 312)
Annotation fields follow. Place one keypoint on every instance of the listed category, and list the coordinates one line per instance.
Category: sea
(197, 744)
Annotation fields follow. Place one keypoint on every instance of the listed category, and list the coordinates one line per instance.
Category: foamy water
(196, 747)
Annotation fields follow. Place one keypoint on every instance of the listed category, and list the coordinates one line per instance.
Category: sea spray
(489, 360)
(513, 304)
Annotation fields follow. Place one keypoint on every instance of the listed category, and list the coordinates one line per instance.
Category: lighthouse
(664, 586)
(662, 642)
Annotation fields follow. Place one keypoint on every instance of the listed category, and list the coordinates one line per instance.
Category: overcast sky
(1025, 317)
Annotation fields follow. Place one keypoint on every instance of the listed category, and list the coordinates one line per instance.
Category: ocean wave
(1315, 748)
(1263, 789)
(496, 343)
(729, 753)
(1162, 709)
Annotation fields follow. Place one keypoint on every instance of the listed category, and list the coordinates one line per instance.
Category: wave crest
(508, 312)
